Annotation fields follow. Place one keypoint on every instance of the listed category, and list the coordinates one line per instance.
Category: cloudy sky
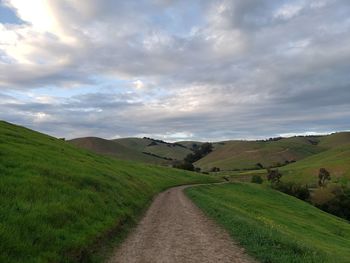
(176, 70)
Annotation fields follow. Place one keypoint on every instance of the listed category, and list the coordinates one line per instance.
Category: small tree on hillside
(273, 176)
(259, 165)
(215, 169)
(257, 179)
(323, 176)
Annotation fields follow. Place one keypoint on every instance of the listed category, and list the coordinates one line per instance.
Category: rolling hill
(116, 149)
(234, 155)
(227, 155)
(145, 150)
(335, 157)
(335, 160)
(174, 151)
(60, 203)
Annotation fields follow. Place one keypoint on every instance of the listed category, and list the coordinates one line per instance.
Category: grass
(274, 227)
(167, 150)
(336, 160)
(246, 154)
(117, 149)
(134, 149)
(58, 202)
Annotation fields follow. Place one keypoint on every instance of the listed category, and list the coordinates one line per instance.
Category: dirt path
(175, 230)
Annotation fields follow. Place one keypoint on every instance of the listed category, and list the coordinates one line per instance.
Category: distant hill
(234, 155)
(335, 160)
(146, 150)
(116, 149)
(174, 151)
(333, 155)
(226, 155)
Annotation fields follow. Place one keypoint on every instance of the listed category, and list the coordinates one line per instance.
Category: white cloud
(213, 69)
(138, 84)
(289, 11)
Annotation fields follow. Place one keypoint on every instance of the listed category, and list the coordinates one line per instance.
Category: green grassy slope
(335, 140)
(115, 149)
(169, 150)
(246, 154)
(274, 227)
(336, 161)
(135, 149)
(163, 149)
(57, 202)
(138, 144)
(190, 144)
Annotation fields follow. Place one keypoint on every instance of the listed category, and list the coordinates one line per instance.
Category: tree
(294, 189)
(199, 153)
(323, 176)
(257, 179)
(184, 166)
(215, 169)
(273, 176)
(259, 165)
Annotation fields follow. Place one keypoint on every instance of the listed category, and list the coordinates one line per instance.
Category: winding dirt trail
(175, 230)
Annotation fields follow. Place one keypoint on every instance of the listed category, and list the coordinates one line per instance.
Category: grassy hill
(160, 148)
(145, 150)
(334, 156)
(59, 203)
(274, 227)
(336, 161)
(231, 155)
(115, 149)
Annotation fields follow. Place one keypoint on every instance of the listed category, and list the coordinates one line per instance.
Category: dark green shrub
(273, 176)
(323, 176)
(297, 190)
(339, 205)
(257, 179)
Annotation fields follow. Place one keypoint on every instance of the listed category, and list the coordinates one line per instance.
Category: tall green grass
(58, 203)
(274, 227)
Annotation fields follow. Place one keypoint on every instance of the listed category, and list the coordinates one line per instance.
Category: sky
(205, 70)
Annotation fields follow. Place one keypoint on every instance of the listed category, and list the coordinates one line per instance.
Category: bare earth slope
(175, 230)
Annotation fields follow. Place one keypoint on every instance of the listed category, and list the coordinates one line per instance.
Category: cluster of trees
(271, 139)
(274, 177)
(294, 189)
(339, 205)
(198, 153)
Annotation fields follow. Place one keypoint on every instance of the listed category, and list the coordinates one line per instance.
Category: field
(144, 150)
(59, 203)
(274, 227)
(115, 149)
(336, 161)
(334, 156)
(233, 155)
(158, 148)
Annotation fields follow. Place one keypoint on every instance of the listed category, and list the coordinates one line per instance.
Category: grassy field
(116, 149)
(135, 149)
(246, 154)
(274, 227)
(163, 149)
(59, 203)
(336, 161)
